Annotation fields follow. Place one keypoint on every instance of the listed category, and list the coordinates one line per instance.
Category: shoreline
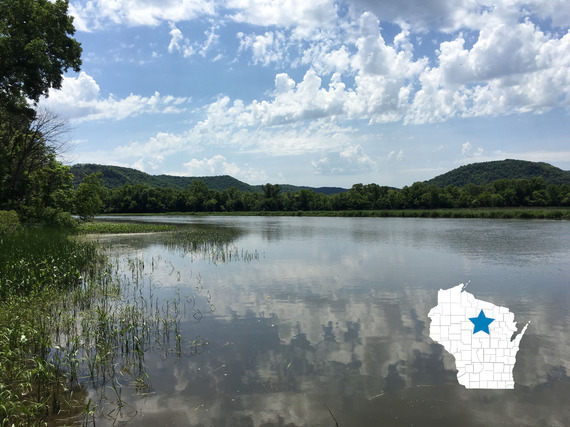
(553, 213)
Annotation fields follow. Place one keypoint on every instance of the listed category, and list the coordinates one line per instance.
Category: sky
(319, 92)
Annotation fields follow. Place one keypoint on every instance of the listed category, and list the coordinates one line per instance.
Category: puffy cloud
(79, 100)
(292, 103)
(157, 147)
(265, 48)
(442, 15)
(510, 68)
(96, 13)
(351, 160)
(382, 84)
(467, 150)
(326, 60)
(497, 58)
(501, 50)
(177, 38)
(305, 16)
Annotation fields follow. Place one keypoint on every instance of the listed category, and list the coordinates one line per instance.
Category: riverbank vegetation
(100, 227)
(489, 213)
(73, 318)
(41, 272)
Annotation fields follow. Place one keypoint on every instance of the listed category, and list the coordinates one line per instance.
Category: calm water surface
(314, 320)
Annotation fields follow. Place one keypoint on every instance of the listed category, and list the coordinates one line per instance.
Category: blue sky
(320, 92)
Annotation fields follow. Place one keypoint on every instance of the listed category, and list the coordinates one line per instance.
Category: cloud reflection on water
(338, 316)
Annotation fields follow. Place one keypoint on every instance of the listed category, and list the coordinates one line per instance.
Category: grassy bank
(499, 213)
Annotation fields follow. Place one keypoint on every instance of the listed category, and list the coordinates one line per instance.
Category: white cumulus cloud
(265, 48)
(79, 100)
(305, 16)
(95, 14)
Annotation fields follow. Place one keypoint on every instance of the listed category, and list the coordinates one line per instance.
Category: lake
(302, 321)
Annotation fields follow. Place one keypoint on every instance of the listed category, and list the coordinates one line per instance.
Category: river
(304, 321)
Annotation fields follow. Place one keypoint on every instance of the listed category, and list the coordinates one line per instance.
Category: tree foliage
(487, 172)
(197, 197)
(31, 179)
(35, 48)
(89, 197)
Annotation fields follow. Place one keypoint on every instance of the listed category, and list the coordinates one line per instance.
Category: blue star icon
(481, 323)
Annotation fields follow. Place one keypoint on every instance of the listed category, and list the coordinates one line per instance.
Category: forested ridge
(487, 172)
(534, 191)
(116, 176)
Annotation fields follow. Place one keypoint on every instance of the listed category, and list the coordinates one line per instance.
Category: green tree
(35, 48)
(272, 199)
(197, 195)
(26, 149)
(304, 200)
(89, 196)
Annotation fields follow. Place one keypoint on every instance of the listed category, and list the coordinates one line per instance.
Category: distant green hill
(116, 176)
(486, 172)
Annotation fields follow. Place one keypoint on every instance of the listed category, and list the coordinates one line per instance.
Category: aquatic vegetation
(101, 227)
(73, 318)
(214, 244)
(37, 266)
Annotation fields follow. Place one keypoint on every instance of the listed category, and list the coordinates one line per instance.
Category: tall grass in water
(38, 267)
(73, 319)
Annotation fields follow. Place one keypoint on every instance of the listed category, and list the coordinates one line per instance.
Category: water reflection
(333, 316)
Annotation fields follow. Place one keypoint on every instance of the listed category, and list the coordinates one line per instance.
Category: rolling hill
(116, 176)
(475, 173)
(486, 172)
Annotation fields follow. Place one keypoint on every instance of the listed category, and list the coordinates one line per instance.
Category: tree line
(197, 197)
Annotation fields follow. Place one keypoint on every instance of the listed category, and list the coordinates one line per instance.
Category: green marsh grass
(100, 227)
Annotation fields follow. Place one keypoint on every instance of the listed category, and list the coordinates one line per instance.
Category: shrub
(9, 221)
